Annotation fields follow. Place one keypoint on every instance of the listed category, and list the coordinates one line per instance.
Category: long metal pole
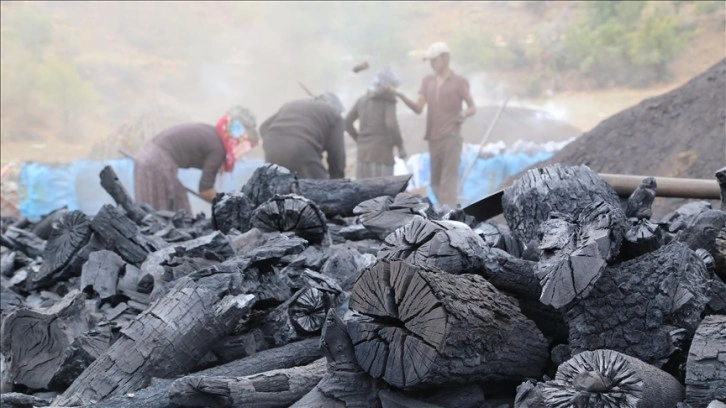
(481, 146)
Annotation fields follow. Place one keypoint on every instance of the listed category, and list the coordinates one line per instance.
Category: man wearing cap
(192, 145)
(297, 135)
(443, 92)
(378, 131)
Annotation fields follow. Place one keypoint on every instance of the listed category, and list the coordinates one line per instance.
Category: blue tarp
(45, 188)
(485, 176)
(77, 186)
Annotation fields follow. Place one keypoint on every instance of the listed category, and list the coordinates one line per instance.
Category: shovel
(623, 184)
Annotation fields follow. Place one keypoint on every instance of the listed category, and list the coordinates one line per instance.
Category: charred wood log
(421, 323)
(66, 240)
(297, 318)
(528, 202)
(277, 388)
(119, 234)
(113, 186)
(341, 196)
(232, 211)
(269, 181)
(24, 241)
(642, 237)
(644, 307)
(101, 273)
(640, 202)
(447, 245)
(291, 213)
(706, 365)
(166, 339)
(383, 215)
(333, 197)
(606, 378)
(529, 395)
(291, 355)
(576, 250)
(35, 340)
(345, 384)
(18, 400)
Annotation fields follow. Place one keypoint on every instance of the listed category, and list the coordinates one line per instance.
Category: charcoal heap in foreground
(339, 293)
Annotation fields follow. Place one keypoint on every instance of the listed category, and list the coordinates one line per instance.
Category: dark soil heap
(681, 133)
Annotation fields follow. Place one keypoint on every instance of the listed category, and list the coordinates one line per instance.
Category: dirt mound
(681, 133)
(515, 123)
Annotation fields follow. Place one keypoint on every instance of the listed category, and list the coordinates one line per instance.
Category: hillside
(195, 59)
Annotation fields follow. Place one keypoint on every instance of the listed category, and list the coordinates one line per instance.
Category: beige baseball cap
(435, 50)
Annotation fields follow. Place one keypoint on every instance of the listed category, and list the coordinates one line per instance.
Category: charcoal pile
(681, 133)
(339, 293)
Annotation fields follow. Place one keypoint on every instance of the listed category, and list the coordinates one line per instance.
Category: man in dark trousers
(444, 93)
(297, 135)
(378, 131)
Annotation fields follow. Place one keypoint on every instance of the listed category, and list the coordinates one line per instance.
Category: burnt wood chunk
(344, 384)
(101, 273)
(167, 339)
(44, 227)
(383, 215)
(606, 378)
(129, 285)
(292, 213)
(291, 355)
(341, 196)
(79, 355)
(232, 211)
(706, 365)
(644, 307)
(113, 186)
(18, 400)
(67, 238)
(642, 236)
(36, 340)
(286, 323)
(119, 234)
(528, 202)
(24, 241)
(277, 388)
(640, 202)
(214, 245)
(702, 230)
(575, 250)
(419, 325)
(269, 181)
(447, 245)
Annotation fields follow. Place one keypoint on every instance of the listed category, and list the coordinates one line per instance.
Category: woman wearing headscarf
(378, 131)
(213, 149)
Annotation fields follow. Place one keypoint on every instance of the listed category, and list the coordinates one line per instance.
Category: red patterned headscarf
(246, 119)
